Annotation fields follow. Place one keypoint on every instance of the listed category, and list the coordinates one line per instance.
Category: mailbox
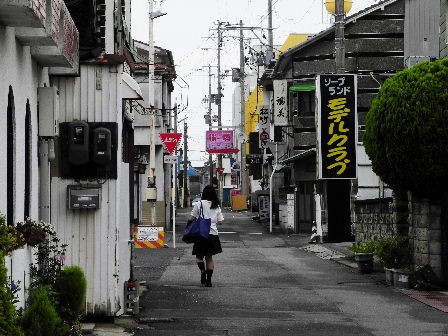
(83, 196)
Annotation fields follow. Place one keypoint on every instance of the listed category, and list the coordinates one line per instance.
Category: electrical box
(83, 196)
(151, 194)
(48, 111)
(78, 143)
(102, 143)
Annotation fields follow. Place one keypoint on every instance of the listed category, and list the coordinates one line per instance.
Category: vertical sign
(264, 124)
(337, 126)
(280, 102)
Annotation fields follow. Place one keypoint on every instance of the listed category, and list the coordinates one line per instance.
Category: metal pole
(219, 101)
(173, 169)
(339, 43)
(185, 203)
(243, 115)
(270, 50)
(270, 188)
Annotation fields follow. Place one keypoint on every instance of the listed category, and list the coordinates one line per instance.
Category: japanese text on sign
(280, 102)
(337, 126)
(220, 142)
(264, 124)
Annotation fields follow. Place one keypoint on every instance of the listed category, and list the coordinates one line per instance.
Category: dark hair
(209, 194)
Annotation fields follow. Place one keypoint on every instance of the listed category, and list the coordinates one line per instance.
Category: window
(301, 103)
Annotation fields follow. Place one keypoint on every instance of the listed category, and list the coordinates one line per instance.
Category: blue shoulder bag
(197, 230)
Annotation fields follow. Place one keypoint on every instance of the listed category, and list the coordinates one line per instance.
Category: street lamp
(339, 8)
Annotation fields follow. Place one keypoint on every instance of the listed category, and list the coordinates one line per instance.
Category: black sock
(209, 275)
(201, 266)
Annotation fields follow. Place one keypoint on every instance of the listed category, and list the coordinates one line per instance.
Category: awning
(304, 87)
(130, 88)
(298, 156)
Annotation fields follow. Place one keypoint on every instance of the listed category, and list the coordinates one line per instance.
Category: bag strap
(201, 213)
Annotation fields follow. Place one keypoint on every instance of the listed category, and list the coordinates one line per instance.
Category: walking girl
(206, 248)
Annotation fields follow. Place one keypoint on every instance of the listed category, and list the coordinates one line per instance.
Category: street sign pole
(170, 141)
(173, 191)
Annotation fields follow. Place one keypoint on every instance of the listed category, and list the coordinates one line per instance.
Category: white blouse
(214, 214)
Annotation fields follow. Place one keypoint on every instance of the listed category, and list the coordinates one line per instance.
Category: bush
(71, 287)
(40, 317)
(367, 247)
(407, 130)
(393, 252)
(10, 238)
(9, 324)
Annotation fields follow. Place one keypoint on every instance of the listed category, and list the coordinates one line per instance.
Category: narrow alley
(270, 284)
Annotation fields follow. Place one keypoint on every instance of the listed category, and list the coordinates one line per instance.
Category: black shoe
(208, 284)
(203, 277)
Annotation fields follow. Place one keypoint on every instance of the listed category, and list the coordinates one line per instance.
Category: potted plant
(393, 254)
(34, 232)
(364, 255)
(10, 237)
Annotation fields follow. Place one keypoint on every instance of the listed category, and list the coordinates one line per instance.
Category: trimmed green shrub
(407, 130)
(71, 287)
(40, 317)
(9, 323)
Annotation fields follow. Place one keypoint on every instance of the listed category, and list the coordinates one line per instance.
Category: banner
(337, 126)
(220, 142)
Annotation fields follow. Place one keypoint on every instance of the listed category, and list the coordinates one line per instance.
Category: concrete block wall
(425, 233)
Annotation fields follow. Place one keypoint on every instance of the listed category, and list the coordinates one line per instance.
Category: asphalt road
(270, 284)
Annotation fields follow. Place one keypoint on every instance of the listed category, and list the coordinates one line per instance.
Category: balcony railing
(47, 27)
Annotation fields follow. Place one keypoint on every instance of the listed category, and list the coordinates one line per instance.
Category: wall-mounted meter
(83, 196)
(102, 143)
(78, 142)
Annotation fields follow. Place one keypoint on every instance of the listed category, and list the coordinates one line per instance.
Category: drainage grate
(323, 252)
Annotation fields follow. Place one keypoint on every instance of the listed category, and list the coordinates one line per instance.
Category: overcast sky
(187, 30)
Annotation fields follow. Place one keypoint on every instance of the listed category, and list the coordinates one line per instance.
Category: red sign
(220, 171)
(170, 140)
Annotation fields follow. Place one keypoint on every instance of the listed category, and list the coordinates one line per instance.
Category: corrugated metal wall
(421, 31)
(97, 239)
(443, 28)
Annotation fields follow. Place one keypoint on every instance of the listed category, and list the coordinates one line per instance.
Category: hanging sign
(219, 171)
(219, 142)
(337, 126)
(264, 124)
(170, 141)
(280, 99)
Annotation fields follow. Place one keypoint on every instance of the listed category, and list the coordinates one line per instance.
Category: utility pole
(210, 160)
(185, 201)
(244, 188)
(339, 37)
(219, 96)
(270, 51)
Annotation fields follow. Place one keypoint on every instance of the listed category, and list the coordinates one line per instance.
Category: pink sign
(220, 142)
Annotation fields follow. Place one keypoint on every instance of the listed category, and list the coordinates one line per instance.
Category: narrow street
(269, 284)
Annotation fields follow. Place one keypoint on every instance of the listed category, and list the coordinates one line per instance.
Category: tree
(407, 130)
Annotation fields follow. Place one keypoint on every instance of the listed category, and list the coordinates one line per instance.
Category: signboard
(264, 124)
(263, 207)
(170, 159)
(280, 102)
(170, 141)
(148, 237)
(337, 126)
(220, 142)
(254, 159)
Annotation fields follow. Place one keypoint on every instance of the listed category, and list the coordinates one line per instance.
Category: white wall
(20, 71)
(97, 239)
